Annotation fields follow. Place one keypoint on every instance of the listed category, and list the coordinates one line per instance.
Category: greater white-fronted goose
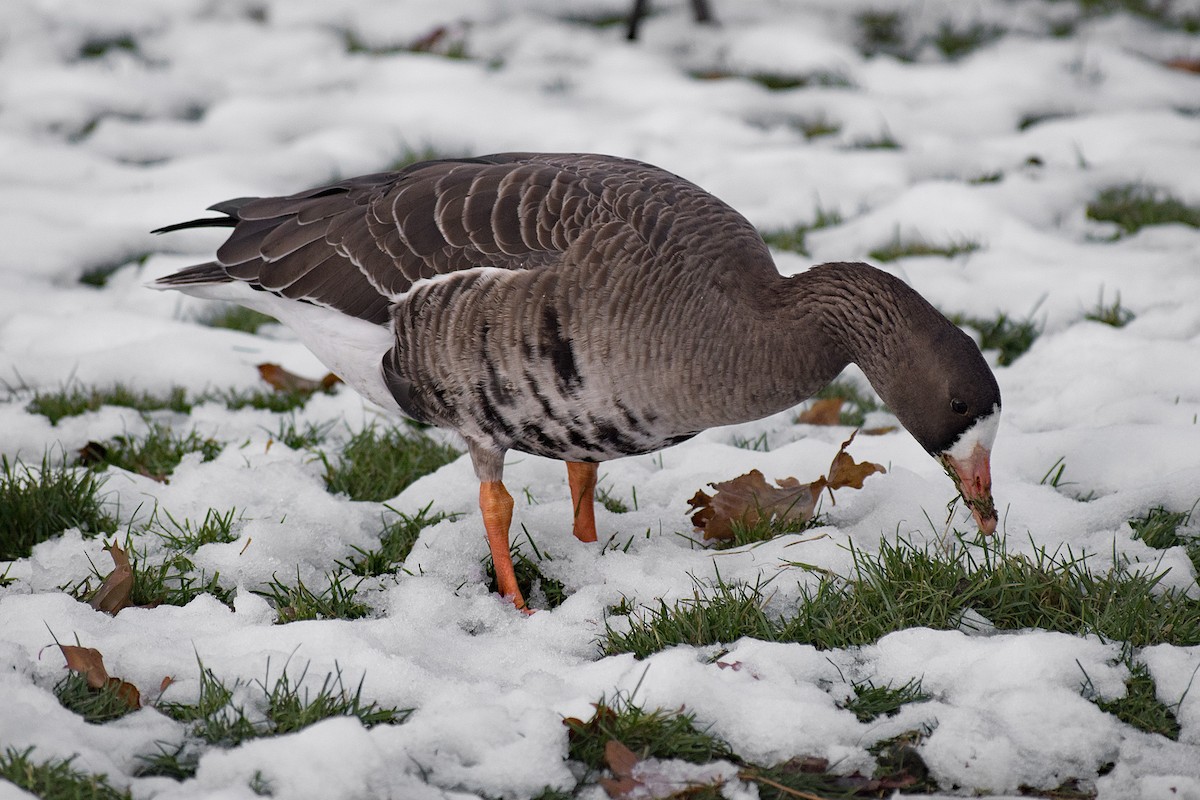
(584, 307)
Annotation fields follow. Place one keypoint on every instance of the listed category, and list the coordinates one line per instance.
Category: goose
(584, 307)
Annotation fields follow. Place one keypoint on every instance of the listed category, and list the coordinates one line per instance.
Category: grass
(378, 463)
(395, 543)
(55, 778)
(1159, 528)
(883, 141)
(215, 528)
(899, 248)
(1134, 206)
(173, 581)
(264, 399)
(37, 504)
(155, 455)
(96, 706)
(282, 706)
(792, 240)
(1113, 314)
(870, 702)
(1011, 337)
(1140, 707)
(236, 318)
(649, 734)
(295, 603)
(764, 530)
(302, 437)
(903, 586)
(954, 43)
(882, 32)
(674, 734)
(73, 400)
(779, 81)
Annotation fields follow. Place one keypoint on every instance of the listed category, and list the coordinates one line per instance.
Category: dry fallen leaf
(748, 498)
(621, 761)
(88, 662)
(283, 381)
(822, 412)
(113, 593)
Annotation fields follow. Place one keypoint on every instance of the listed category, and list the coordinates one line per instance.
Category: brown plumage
(584, 307)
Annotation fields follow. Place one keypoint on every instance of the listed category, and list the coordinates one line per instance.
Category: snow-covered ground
(215, 99)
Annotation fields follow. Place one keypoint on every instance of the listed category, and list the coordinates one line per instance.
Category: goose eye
(958, 406)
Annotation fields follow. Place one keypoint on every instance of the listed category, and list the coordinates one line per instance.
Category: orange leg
(497, 506)
(582, 478)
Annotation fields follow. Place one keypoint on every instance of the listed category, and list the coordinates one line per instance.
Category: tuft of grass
(882, 32)
(377, 464)
(55, 778)
(758, 444)
(765, 529)
(779, 81)
(538, 590)
(73, 400)
(1037, 118)
(1159, 528)
(265, 399)
(1134, 206)
(283, 707)
(954, 42)
(94, 705)
(883, 141)
(395, 543)
(814, 127)
(1115, 314)
(101, 46)
(236, 318)
(1140, 707)
(215, 528)
(1011, 337)
(614, 504)
(899, 248)
(721, 616)
(171, 582)
(987, 177)
(37, 504)
(178, 763)
(155, 455)
(296, 603)
(903, 586)
(870, 702)
(306, 437)
(649, 734)
(792, 239)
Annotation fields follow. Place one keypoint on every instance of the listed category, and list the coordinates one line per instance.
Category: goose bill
(968, 463)
(972, 477)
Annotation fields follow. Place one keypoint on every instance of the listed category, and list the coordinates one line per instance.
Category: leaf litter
(748, 499)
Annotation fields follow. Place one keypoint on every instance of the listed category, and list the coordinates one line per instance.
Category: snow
(234, 98)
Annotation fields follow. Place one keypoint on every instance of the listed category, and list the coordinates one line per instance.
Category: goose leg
(497, 505)
(582, 478)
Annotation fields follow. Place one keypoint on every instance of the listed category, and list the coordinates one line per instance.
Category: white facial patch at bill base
(982, 433)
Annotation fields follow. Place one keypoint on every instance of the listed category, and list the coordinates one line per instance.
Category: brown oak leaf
(88, 662)
(283, 381)
(822, 412)
(621, 761)
(113, 593)
(748, 498)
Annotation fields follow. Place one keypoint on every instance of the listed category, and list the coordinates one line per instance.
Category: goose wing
(358, 244)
